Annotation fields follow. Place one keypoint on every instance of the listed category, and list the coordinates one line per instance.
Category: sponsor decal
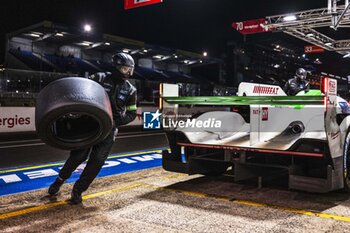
(334, 135)
(332, 87)
(256, 112)
(344, 106)
(329, 86)
(27, 179)
(265, 90)
(265, 114)
(129, 4)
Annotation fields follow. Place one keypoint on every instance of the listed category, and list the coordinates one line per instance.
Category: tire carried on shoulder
(73, 113)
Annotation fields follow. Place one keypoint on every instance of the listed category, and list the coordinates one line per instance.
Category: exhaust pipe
(297, 127)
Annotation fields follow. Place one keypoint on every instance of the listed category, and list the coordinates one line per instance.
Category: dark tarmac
(154, 200)
(28, 150)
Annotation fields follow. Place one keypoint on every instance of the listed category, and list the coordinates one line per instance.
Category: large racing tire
(73, 113)
(346, 159)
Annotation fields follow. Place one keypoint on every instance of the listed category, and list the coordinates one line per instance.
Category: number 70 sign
(251, 26)
(129, 4)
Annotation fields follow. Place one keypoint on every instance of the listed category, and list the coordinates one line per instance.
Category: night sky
(194, 25)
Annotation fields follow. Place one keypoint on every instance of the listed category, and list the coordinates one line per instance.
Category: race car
(304, 137)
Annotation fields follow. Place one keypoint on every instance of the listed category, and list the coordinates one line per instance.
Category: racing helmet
(124, 63)
(301, 73)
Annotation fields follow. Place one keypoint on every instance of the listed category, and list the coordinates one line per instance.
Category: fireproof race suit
(122, 96)
(293, 86)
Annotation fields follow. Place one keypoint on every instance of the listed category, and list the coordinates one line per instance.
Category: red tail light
(324, 85)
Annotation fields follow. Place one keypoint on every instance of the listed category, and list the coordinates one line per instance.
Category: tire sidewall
(345, 161)
(73, 95)
(98, 114)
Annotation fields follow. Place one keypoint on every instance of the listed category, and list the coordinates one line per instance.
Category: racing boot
(55, 186)
(76, 197)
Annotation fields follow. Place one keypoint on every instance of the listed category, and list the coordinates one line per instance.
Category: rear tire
(346, 160)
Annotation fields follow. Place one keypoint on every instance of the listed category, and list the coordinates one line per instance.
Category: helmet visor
(302, 76)
(301, 73)
(126, 70)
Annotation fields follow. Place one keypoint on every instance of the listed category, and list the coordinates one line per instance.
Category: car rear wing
(247, 100)
(328, 89)
(258, 89)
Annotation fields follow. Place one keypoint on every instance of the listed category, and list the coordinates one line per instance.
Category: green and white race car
(304, 137)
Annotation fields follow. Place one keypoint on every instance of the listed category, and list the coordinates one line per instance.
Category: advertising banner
(129, 4)
(313, 49)
(17, 119)
(251, 26)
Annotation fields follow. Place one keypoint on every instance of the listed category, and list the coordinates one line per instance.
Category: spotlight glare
(34, 35)
(87, 28)
(85, 43)
(289, 18)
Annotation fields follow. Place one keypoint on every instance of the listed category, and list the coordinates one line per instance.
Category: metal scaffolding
(303, 25)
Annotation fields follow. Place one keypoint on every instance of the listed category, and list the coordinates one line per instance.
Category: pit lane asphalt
(154, 200)
(14, 153)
